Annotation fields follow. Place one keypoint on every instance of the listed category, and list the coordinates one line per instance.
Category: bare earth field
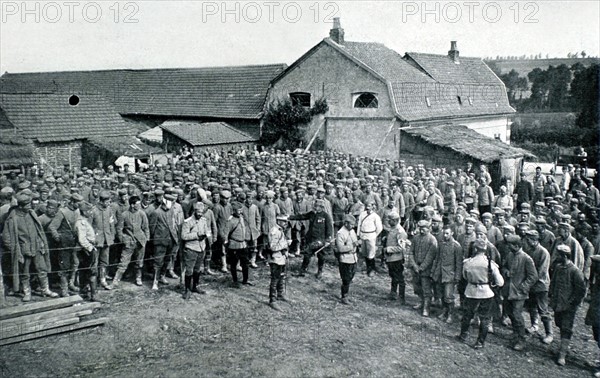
(233, 333)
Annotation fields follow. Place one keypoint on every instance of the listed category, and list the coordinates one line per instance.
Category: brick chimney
(337, 33)
(453, 53)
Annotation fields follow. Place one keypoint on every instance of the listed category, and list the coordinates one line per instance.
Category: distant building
(202, 136)
(372, 92)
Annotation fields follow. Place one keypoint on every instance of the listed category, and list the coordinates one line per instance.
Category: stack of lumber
(51, 317)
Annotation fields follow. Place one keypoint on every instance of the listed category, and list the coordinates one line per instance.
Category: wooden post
(314, 136)
(385, 137)
(2, 300)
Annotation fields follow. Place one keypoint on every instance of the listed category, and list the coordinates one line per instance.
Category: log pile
(40, 319)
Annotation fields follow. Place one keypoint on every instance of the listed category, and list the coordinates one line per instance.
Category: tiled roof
(224, 92)
(209, 133)
(125, 145)
(386, 62)
(468, 142)
(444, 70)
(154, 134)
(50, 118)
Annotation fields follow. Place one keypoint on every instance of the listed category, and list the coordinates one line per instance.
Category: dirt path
(233, 333)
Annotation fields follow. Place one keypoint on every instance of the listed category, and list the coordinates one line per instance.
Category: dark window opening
(300, 98)
(366, 100)
(459, 100)
(74, 100)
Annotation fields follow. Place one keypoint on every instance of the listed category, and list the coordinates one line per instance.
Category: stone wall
(58, 154)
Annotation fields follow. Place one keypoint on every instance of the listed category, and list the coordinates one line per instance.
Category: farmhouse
(372, 92)
(203, 136)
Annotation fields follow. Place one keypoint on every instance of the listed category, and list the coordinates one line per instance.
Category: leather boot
(195, 282)
(117, 278)
(562, 352)
(426, 306)
(449, 319)
(72, 286)
(163, 279)
(46, 292)
(253, 261)
(549, 337)
(224, 264)
(64, 286)
(93, 288)
(444, 313)
(138, 277)
(419, 305)
(187, 293)
(207, 269)
(26, 291)
(103, 283)
(401, 295)
(155, 281)
(171, 273)
(319, 274)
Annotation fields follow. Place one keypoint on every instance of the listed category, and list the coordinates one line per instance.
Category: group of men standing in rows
(447, 231)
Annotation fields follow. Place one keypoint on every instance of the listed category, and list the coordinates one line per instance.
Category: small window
(470, 100)
(300, 98)
(459, 100)
(366, 100)
(428, 102)
(497, 136)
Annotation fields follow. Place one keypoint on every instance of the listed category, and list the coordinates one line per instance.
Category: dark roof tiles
(209, 133)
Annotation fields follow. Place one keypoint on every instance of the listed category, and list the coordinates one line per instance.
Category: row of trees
(570, 55)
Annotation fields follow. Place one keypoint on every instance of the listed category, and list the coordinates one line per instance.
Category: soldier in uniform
(163, 234)
(104, 221)
(447, 271)
(395, 247)
(278, 246)
(346, 242)
(194, 232)
(88, 253)
(235, 242)
(423, 252)
(480, 273)
(134, 232)
(369, 227)
(25, 239)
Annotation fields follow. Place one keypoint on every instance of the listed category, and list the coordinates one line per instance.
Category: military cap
(122, 192)
(23, 185)
(7, 190)
(170, 197)
(235, 205)
(76, 197)
(319, 202)
(513, 239)
(23, 199)
(104, 195)
(487, 216)
(436, 218)
(540, 203)
(270, 194)
(480, 244)
(50, 179)
(498, 211)
(564, 225)
(423, 223)
(350, 218)
(470, 220)
(85, 206)
(52, 203)
(540, 220)
(159, 192)
(564, 249)
(225, 194)
(199, 205)
(508, 228)
(481, 229)
(395, 215)
(320, 189)
(241, 196)
(532, 234)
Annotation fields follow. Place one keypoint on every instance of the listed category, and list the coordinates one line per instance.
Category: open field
(233, 333)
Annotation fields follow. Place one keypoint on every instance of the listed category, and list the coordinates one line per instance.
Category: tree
(287, 123)
(514, 84)
(558, 87)
(584, 91)
(583, 54)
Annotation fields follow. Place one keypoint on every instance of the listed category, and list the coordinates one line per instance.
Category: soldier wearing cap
(299, 228)
(318, 236)
(237, 247)
(537, 304)
(222, 211)
(268, 216)
(346, 243)
(104, 221)
(24, 238)
(194, 232)
(563, 236)
(339, 207)
(178, 218)
(395, 247)
(369, 228)
(88, 253)
(278, 248)
(566, 291)
(422, 254)
(524, 191)
(547, 238)
(251, 214)
(447, 271)
(481, 274)
(163, 235)
(521, 275)
(133, 232)
(62, 229)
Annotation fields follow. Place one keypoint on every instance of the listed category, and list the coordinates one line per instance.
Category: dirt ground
(233, 332)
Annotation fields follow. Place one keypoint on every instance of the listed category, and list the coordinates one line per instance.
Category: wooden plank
(24, 329)
(50, 314)
(32, 308)
(55, 331)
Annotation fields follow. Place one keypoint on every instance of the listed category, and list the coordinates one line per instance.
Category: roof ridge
(444, 55)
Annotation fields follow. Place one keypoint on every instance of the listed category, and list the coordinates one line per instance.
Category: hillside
(524, 66)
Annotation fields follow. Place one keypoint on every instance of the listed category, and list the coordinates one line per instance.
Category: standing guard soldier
(346, 243)
(422, 254)
(369, 227)
(163, 234)
(395, 247)
(237, 248)
(278, 246)
(194, 232)
(447, 271)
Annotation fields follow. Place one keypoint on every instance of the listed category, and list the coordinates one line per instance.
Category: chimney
(453, 53)
(337, 33)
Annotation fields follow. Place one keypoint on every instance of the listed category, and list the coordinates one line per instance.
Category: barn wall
(362, 137)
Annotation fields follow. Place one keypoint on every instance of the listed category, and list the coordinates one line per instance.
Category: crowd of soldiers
(532, 247)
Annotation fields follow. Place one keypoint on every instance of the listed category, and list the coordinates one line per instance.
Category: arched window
(300, 98)
(366, 100)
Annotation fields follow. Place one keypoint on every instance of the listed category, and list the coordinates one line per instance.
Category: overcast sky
(86, 35)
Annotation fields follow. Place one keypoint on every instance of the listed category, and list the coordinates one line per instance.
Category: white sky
(60, 35)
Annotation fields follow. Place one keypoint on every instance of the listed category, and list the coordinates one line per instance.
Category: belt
(367, 232)
(479, 283)
(235, 240)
